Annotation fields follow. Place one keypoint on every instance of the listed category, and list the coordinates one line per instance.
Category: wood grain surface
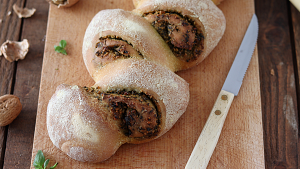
(241, 141)
(295, 21)
(10, 30)
(27, 82)
(279, 102)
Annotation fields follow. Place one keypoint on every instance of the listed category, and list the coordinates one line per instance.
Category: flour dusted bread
(175, 34)
(117, 34)
(191, 28)
(132, 57)
(135, 101)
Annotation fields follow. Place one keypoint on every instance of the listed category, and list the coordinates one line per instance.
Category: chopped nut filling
(179, 32)
(136, 113)
(111, 48)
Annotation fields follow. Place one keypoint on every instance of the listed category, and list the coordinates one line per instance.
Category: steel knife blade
(210, 134)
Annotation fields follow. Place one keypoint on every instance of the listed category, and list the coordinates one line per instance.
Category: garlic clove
(13, 50)
(23, 12)
(63, 3)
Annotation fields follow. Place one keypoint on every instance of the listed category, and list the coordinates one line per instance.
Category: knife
(211, 132)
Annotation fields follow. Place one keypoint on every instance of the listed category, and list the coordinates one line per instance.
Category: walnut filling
(111, 48)
(136, 113)
(179, 32)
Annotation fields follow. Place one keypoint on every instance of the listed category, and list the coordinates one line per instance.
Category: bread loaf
(191, 28)
(132, 57)
(136, 101)
(117, 34)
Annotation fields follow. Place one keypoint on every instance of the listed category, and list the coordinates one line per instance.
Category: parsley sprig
(61, 47)
(40, 162)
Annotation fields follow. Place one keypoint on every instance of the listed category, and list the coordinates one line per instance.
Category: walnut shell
(10, 108)
(13, 50)
(217, 2)
(63, 3)
(23, 12)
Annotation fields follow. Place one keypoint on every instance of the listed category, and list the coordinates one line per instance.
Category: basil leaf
(53, 166)
(63, 43)
(46, 163)
(39, 160)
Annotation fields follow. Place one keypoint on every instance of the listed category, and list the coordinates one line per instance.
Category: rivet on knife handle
(210, 134)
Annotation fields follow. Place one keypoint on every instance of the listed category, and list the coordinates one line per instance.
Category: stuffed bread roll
(191, 28)
(117, 34)
(136, 101)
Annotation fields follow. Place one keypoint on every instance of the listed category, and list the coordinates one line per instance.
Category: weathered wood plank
(2, 145)
(278, 90)
(21, 130)
(9, 30)
(295, 14)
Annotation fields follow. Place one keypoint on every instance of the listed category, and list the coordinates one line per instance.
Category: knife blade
(210, 134)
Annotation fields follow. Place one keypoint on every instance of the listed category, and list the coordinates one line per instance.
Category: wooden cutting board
(241, 141)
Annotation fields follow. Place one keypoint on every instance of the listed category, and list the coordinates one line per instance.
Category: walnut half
(217, 2)
(63, 3)
(10, 108)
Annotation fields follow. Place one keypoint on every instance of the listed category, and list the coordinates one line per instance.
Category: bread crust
(170, 90)
(80, 125)
(77, 126)
(206, 15)
(130, 27)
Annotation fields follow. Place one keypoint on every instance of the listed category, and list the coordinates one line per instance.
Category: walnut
(10, 108)
(13, 50)
(63, 3)
(217, 2)
(23, 12)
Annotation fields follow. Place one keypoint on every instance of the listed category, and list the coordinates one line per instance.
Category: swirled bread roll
(132, 57)
(134, 102)
(191, 28)
(117, 34)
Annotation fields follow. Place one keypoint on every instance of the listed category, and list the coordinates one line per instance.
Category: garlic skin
(63, 3)
(13, 50)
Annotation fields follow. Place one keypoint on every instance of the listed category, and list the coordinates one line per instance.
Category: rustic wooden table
(279, 60)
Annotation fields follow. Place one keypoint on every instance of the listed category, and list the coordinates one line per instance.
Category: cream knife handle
(210, 134)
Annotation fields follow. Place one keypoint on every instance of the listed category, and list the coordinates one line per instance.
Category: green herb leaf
(53, 166)
(63, 43)
(58, 48)
(61, 47)
(46, 163)
(63, 51)
(39, 160)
